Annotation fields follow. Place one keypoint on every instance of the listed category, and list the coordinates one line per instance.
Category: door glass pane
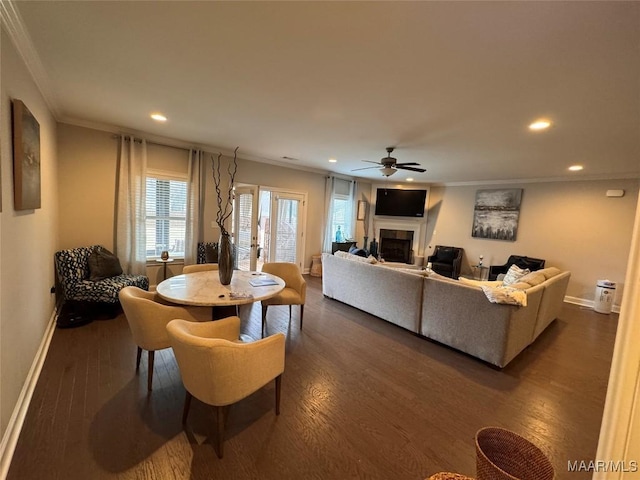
(243, 238)
(287, 230)
(264, 228)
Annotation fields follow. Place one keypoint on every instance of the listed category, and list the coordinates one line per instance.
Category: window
(341, 216)
(166, 215)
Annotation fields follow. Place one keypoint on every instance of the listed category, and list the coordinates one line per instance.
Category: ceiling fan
(390, 165)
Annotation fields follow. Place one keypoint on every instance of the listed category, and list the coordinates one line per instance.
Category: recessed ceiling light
(158, 117)
(576, 168)
(540, 125)
(332, 160)
(409, 179)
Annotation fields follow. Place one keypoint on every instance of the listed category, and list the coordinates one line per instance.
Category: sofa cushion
(480, 283)
(549, 272)
(103, 264)
(514, 274)
(349, 256)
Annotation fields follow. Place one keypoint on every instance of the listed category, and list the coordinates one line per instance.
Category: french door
(268, 227)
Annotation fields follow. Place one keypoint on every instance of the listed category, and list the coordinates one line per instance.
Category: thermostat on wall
(615, 193)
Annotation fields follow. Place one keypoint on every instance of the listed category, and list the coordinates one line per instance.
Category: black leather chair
(519, 260)
(446, 261)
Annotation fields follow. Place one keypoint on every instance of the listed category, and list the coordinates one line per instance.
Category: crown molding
(14, 25)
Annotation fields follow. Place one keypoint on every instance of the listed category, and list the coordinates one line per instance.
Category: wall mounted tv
(400, 203)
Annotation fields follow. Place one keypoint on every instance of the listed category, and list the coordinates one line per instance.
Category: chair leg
(264, 318)
(187, 405)
(220, 415)
(278, 385)
(138, 359)
(150, 371)
(301, 315)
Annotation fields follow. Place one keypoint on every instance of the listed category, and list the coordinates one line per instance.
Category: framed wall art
(496, 214)
(26, 158)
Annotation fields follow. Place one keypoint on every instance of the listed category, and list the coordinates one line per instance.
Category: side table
(480, 272)
(164, 266)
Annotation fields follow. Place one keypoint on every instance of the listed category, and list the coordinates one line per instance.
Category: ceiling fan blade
(369, 161)
(406, 163)
(363, 168)
(413, 169)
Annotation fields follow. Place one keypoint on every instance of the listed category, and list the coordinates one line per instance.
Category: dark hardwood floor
(361, 398)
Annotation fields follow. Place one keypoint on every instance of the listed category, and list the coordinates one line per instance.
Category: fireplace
(396, 245)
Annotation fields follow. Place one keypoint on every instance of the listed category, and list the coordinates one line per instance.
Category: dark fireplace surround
(395, 245)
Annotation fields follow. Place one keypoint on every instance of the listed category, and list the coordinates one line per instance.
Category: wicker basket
(505, 455)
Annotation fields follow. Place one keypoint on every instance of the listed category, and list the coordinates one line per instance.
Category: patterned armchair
(72, 267)
(207, 252)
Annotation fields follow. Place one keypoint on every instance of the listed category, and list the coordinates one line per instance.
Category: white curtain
(194, 231)
(131, 239)
(338, 188)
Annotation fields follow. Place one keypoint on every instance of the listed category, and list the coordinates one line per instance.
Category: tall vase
(225, 259)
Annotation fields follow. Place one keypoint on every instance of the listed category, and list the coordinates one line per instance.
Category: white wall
(572, 225)
(28, 239)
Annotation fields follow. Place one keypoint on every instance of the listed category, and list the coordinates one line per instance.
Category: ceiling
(452, 85)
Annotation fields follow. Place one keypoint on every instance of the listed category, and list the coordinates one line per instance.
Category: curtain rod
(150, 142)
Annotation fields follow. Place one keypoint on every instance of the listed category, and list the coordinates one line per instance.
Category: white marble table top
(205, 289)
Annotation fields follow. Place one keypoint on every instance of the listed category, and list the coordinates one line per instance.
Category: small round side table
(164, 266)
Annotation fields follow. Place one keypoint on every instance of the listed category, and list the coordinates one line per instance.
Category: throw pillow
(505, 295)
(446, 255)
(514, 274)
(103, 264)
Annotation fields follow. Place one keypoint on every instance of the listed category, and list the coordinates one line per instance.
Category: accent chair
(518, 260)
(148, 318)
(294, 293)
(446, 261)
(220, 370)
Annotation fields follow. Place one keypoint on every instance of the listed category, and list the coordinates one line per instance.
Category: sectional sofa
(448, 311)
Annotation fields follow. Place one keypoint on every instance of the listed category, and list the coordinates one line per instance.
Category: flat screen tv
(400, 203)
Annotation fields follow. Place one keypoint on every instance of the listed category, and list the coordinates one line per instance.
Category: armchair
(220, 371)
(294, 292)
(522, 262)
(446, 261)
(148, 318)
(83, 296)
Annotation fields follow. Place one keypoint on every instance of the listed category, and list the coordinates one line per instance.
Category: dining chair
(148, 317)
(220, 370)
(294, 292)
(199, 267)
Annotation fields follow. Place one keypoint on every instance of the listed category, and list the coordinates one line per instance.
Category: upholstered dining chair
(148, 318)
(294, 293)
(199, 267)
(219, 370)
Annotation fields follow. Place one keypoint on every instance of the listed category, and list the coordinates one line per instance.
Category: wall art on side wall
(26, 158)
(496, 214)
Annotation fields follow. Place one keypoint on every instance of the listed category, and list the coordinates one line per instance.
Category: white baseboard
(587, 303)
(12, 433)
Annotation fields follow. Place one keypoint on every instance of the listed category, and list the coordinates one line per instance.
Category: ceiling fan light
(387, 171)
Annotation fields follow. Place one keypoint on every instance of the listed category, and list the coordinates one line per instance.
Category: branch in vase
(224, 210)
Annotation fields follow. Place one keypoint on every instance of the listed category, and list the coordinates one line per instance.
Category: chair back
(72, 266)
(290, 273)
(147, 324)
(201, 267)
(218, 371)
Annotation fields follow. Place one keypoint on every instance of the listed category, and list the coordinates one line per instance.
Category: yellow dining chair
(219, 370)
(148, 319)
(200, 267)
(294, 293)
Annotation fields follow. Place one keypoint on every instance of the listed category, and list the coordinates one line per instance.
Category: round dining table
(204, 289)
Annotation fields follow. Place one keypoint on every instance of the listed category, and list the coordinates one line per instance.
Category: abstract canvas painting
(496, 214)
(26, 158)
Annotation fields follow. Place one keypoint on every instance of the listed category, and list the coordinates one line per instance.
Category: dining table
(205, 289)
